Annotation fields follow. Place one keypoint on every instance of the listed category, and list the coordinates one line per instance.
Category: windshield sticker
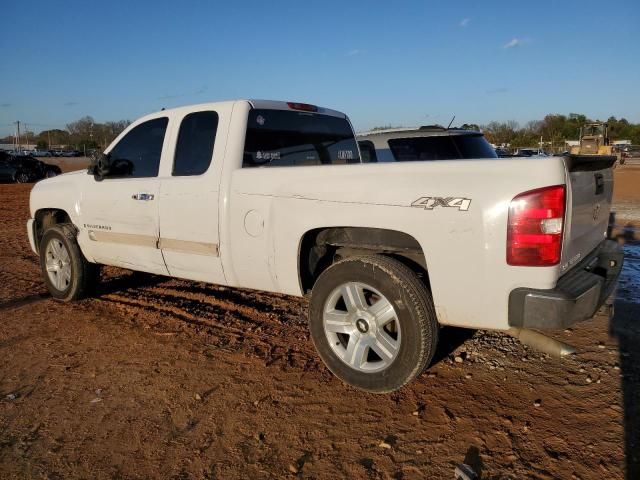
(268, 156)
(260, 120)
(345, 154)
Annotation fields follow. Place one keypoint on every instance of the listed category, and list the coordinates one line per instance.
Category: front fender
(62, 193)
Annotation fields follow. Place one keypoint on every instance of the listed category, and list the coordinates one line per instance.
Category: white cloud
(354, 52)
(464, 22)
(515, 42)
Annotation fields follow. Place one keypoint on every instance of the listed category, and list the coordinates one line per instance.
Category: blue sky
(393, 62)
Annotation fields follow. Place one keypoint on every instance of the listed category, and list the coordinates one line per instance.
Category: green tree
(86, 133)
(501, 133)
(54, 138)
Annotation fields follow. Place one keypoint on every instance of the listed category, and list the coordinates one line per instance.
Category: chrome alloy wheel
(58, 263)
(22, 177)
(362, 327)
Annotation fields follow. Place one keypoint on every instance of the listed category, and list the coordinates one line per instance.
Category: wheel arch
(321, 247)
(45, 218)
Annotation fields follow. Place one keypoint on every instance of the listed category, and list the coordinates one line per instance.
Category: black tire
(84, 275)
(414, 312)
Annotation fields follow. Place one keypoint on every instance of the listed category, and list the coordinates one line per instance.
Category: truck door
(119, 213)
(189, 197)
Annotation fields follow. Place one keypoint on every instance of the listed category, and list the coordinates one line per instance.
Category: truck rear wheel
(373, 322)
(67, 274)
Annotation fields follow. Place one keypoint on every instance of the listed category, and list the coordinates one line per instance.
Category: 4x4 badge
(429, 203)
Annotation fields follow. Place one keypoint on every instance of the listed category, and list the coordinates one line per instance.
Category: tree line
(83, 134)
(553, 129)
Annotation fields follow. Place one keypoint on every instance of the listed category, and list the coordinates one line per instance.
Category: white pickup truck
(273, 196)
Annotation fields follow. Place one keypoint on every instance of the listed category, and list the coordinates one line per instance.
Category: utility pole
(90, 138)
(18, 124)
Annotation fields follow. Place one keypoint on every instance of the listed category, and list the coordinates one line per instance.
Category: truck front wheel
(67, 274)
(373, 322)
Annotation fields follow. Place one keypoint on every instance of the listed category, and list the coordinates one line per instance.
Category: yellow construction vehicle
(594, 140)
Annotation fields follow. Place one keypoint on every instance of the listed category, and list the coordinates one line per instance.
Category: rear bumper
(577, 296)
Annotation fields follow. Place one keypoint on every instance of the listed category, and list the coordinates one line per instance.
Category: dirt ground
(161, 378)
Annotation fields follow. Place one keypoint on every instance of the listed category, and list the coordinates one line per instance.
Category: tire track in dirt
(20, 302)
(270, 327)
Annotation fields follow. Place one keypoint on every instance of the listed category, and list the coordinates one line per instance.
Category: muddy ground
(161, 378)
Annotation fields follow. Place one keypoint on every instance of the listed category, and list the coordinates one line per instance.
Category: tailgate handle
(599, 184)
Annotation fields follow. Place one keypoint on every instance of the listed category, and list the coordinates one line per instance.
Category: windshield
(292, 138)
(593, 130)
(441, 147)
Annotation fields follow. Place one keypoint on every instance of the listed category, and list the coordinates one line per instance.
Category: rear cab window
(285, 138)
(441, 147)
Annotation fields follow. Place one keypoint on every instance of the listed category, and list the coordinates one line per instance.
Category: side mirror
(100, 166)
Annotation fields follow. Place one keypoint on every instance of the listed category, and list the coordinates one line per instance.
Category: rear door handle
(142, 196)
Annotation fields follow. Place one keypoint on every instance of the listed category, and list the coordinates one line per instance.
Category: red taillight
(536, 224)
(305, 107)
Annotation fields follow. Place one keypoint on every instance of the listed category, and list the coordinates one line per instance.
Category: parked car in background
(503, 153)
(630, 154)
(25, 169)
(633, 151)
(41, 153)
(423, 143)
(18, 153)
(72, 153)
(530, 152)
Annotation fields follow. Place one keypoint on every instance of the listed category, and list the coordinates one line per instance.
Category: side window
(367, 152)
(138, 153)
(195, 143)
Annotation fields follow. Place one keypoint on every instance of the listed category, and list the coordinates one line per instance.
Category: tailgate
(590, 185)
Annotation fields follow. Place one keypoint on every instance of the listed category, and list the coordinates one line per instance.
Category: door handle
(142, 196)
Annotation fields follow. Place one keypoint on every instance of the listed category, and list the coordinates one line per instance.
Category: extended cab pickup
(273, 196)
